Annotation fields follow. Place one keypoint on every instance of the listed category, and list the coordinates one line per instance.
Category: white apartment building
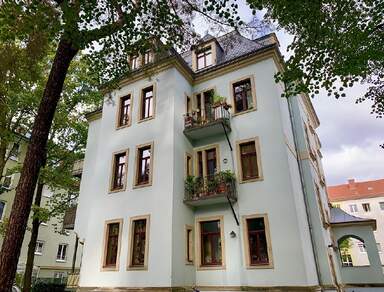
(366, 200)
(198, 174)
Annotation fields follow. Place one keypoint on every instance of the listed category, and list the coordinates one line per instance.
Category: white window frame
(353, 208)
(41, 249)
(61, 253)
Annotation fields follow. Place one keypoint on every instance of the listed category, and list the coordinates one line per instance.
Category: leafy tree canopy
(337, 43)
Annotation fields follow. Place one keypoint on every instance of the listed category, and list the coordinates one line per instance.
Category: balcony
(209, 122)
(214, 189)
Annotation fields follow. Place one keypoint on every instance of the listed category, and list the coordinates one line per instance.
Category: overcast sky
(349, 134)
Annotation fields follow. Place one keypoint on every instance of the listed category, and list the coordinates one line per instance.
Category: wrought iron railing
(209, 115)
(197, 188)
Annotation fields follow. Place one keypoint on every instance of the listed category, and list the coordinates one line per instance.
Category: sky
(349, 134)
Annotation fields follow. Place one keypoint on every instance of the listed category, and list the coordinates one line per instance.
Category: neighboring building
(365, 200)
(182, 187)
(54, 251)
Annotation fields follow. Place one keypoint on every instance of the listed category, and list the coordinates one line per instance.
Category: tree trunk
(34, 159)
(27, 282)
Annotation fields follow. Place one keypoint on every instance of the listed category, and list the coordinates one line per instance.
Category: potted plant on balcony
(212, 184)
(190, 186)
(226, 178)
(219, 100)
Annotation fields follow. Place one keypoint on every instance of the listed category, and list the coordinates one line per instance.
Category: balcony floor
(207, 130)
(209, 200)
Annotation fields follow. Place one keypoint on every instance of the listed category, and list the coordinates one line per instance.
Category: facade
(365, 200)
(198, 173)
(54, 251)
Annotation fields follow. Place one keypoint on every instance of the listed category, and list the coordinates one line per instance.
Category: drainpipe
(304, 191)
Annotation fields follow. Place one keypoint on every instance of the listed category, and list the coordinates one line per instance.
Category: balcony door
(207, 162)
(204, 102)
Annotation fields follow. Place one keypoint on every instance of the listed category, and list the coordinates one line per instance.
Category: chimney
(352, 184)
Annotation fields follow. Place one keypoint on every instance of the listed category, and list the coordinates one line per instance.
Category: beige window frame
(323, 214)
(131, 235)
(104, 267)
(204, 149)
(189, 250)
(150, 55)
(198, 243)
(137, 62)
(188, 104)
(140, 119)
(246, 242)
(113, 165)
(256, 140)
(136, 177)
(213, 47)
(188, 167)
(253, 91)
(118, 112)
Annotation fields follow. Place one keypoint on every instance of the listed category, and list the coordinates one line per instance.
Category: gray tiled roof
(233, 45)
(338, 216)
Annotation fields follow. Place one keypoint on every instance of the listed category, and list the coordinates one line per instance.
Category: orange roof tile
(356, 190)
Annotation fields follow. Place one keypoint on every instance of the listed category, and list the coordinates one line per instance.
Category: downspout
(304, 191)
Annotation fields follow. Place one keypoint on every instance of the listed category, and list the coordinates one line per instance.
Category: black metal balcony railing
(210, 189)
(210, 122)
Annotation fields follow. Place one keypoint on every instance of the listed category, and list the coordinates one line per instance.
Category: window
(112, 244)
(361, 247)
(366, 207)
(148, 57)
(188, 105)
(135, 62)
(249, 164)
(120, 161)
(321, 206)
(204, 58)
(207, 161)
(210, 242)
(346, 260)
(378, 246)
(2, 210)
(62, 253)
(188, 165)
(139, 242)
(381, 206)
(14, 151)
(144, 165)
(39, 247)
(7, 182)
(189, 244)
(335, 205)
(257, 241)
(353, 208)
(243, 95)
(147, 103)
(125, 111)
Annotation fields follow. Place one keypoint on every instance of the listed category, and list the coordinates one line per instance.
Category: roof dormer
(206, 53)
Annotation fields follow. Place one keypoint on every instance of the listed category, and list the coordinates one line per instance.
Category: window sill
(261, 266)
(117, 190)
(38, 253)
(137, 186)
(109, 269)
(61, 261)
(251, 180)
(146, 119)
(135, 268)
(244, 112)
(124, 126)
(208, 268)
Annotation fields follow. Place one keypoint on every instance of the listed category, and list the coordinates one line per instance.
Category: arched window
(352, 251)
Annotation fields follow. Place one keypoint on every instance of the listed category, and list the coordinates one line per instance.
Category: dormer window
(204, 58)
(135, 62)
(147, 57)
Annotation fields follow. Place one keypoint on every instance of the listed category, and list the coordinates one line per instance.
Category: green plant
(227, 176)
(218, 99)
(212, 184)
(190, 184)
